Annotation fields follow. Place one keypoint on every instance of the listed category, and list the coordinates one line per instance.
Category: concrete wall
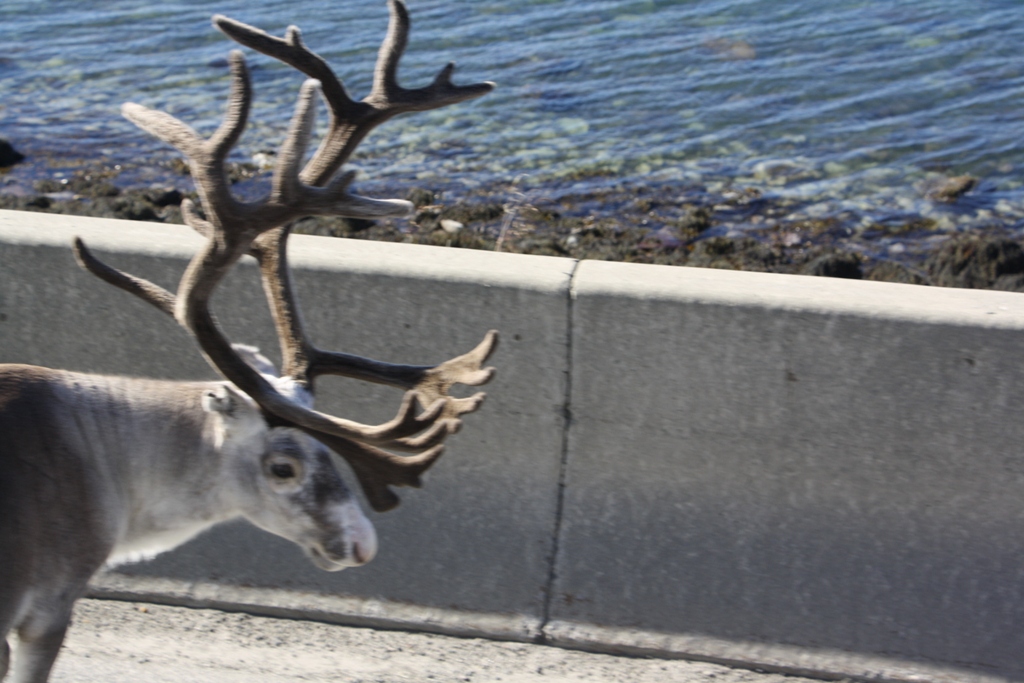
(796, 473)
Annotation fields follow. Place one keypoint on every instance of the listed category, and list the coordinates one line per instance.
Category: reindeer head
(284, 481)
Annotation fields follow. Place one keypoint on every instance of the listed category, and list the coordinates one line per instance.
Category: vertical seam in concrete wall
(556, 532)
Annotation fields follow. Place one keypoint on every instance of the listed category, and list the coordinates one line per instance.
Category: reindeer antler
(234, 229)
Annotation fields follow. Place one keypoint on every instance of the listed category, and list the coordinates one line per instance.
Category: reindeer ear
(221, 399)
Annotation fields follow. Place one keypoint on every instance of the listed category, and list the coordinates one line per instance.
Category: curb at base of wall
(389, 615)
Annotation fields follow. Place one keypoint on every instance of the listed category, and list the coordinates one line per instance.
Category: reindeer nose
(363, 552)
(358, 534)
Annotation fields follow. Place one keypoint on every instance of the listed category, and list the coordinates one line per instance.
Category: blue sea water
(851, 104)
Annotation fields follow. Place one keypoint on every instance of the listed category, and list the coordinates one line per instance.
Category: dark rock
(736, 254)
(164, 197)
(49, 186)
(948, 190)
(429, 216)
(12, 203)
(86, 186)
(8, 155)
(714, 247)
(332, 226)
(604, 240)
(428, 219)
(179, 166)
(889, 271)
(470, 213)
(421, 197)
(95, 190)
(974, 262)
(696, 221)
(839, 264)
(544, 246)
(134, 209)
(1010, 283)
(358, 224)
(242, 170)
(40, 202)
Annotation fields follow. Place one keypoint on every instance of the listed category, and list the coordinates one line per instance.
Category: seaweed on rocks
(607, 219)
(93, 193)
(735, 254)
(892, 271)
(977, 262)
(837, 264)
(85, 186)
(162, 197)
(332, 226)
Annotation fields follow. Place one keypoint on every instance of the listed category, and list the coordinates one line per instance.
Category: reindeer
(97, 469)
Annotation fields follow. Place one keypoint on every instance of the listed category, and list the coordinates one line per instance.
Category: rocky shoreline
(608, 219)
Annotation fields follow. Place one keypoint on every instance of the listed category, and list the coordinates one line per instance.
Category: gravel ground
(117, 642)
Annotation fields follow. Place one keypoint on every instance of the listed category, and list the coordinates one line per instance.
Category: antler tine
(429, 383)
(293, 52)
(464, 369)
(290, 193)
(194, 220)
(434, 436)
(206, 157)
(144, 289)
(351, 121)
(237, 114)
(290, 156)
(271, 252)
(164, 126)
(385, 75)
(388, 94)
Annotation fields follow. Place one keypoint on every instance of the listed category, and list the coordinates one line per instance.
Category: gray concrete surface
(118, 642)
(777, 459)
(815, 475)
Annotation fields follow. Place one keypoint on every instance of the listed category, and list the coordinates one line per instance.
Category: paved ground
(118, 642)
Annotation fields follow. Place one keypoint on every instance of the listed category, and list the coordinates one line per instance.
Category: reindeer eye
(282, 470)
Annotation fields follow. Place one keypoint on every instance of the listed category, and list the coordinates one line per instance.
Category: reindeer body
(101, 470)
(118, 443)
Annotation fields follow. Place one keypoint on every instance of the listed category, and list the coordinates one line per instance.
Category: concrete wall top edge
(487, 268)
(550, 274)
(935, 305)
(539, 273)
(58, 230)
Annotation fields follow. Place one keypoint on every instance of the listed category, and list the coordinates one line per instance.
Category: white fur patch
(286, 386)
(357, 529)
(152, 544)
